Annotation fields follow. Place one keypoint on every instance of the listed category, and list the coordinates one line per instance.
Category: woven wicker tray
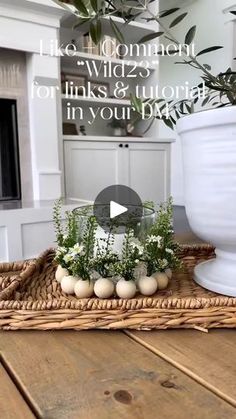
(30, 298)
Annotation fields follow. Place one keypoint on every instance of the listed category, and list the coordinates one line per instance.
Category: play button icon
(116, 209)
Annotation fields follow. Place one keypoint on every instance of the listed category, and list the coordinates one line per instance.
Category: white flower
(73, 253)
(136, 241)
(77, 249)
(154, 239)
(163, 263)
(68, 258)
(61, 251)
(138, 247)
(170, 251)
(136, 261)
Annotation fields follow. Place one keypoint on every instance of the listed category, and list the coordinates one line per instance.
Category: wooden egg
(125, 289)
(104, 288)
(155, 274)
(147, 285)
(83, 288)
(162, 280)
(68, 284)
(60, 273)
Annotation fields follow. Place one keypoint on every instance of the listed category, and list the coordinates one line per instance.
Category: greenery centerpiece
(82, 258)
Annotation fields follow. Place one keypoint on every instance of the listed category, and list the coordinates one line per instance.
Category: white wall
(44, 2)
(212, 29)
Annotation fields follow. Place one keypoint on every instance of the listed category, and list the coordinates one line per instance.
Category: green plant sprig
(160, 249)
(105, 259)
(57, 221)
(220, 89)
(82, 265)
(75, 243)
(130, 257)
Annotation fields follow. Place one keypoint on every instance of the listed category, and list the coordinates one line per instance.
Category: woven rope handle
(26, 274)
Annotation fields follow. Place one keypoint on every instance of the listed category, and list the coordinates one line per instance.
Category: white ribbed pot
(209, 159)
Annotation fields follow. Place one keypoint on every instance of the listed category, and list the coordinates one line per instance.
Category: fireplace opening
(10, 187)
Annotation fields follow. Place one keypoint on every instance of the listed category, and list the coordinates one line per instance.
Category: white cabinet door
(149, 170)
(90, 167)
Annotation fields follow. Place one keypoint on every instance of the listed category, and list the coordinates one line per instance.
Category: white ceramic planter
(209, 159)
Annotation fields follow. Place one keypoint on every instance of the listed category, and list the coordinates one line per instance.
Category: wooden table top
(172, 374)
(102, 375)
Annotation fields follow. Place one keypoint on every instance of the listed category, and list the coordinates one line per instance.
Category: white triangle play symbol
(116, 209)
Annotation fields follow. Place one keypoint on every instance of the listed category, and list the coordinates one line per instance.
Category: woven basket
(30, 298)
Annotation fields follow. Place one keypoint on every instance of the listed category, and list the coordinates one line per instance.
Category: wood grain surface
(207, 357)
(12, 404)
(103, 375)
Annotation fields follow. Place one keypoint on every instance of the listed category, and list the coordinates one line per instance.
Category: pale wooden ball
(68, 284)
(104, 288)
(162, 280)
(125, 289)
(147, 285)
(155, 274)
(83, 288)
(60, 273)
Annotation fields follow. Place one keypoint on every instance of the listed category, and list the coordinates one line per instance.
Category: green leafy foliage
(57, 221)
(105, 259)
(82, 263)
(160, 249)
(219, 90)
(150, 37)
(79, 4)
(178, 19)
(117, 31)
(94, 4)
(190, 35)
(74, 251)
(96, 31)
(67, 231)
(207, 50)
(169, 12)
(81, 254)
(131, 256)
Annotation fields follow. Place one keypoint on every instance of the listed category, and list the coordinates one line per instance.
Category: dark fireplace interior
(9, 152)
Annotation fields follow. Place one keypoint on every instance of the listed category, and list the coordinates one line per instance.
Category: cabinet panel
(92, 166)
(89, 168)
(149, 171)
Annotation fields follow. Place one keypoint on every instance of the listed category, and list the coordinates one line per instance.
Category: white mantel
(26, 228)
(23, 24)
